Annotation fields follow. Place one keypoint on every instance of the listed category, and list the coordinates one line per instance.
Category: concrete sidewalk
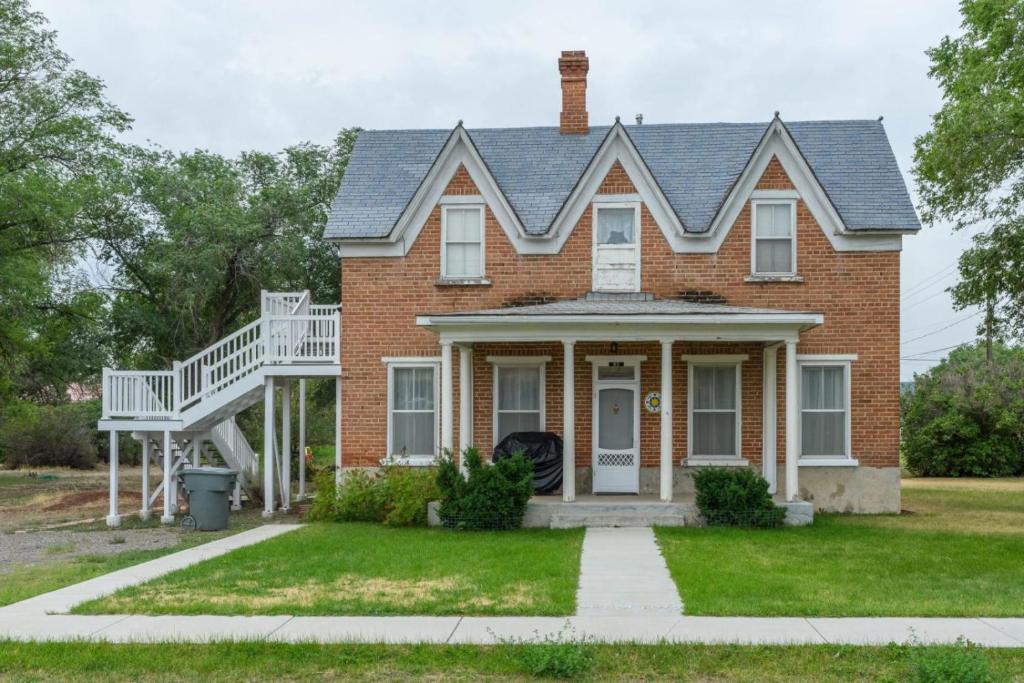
(44, 618)
(622, 573)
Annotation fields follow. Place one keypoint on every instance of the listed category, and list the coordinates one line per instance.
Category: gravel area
(30, 548)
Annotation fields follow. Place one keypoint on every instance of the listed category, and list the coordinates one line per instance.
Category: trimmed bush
(361, 498)
(735, 496)
(49, 436)
(407, 492)
(965, 416)
(493, 495)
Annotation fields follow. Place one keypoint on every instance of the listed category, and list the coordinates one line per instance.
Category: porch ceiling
(599, 319)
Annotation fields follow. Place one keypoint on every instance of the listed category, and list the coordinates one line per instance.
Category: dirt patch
(83, 498)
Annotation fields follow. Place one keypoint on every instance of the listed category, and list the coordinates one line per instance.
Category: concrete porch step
(623, 518)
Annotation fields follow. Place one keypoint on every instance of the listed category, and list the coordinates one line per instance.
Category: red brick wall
(858, 293)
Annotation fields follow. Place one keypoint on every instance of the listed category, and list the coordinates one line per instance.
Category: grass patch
(957, 554)
(272, 661)
(368, 569)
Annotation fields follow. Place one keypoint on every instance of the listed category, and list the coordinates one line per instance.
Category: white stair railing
(290, 330)
(235, 448)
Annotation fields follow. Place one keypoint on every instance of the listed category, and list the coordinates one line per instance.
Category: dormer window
(774, 237)
(616, 247)
(462, 242)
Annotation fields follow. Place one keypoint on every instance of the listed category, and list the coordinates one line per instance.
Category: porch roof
(621, 318)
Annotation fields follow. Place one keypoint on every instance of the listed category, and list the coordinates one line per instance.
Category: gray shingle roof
(694, 164)
(588, 306)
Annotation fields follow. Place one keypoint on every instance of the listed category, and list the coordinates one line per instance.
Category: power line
(927, 283)
(941, 329)
(918, 303)
(944, 348)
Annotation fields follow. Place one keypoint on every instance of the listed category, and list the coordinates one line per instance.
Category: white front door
(616, 437)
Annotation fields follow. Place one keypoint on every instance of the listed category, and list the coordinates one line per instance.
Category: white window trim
(596, 206)
(444, 240)
(844, 361)
(539, 362)
(412, 362)
(731, 359)
(754, 204)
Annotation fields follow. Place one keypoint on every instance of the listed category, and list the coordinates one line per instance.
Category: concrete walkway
(622, 573)
(44, 617)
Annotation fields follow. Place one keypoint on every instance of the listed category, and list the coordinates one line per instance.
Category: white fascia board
(699, 319)
(779, 143)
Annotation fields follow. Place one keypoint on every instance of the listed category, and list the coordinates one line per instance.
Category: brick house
(722, 294)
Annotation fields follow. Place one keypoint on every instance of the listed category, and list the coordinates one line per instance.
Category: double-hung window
(774, 237)
(518, 395)
(462, 244)
(825, 410)
(714, 417)
(412, 411)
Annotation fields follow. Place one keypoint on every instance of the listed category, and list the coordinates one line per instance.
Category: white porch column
(447, 400)
(197, 450)
(337, 430)
(568, 422)
(144, 511)
(170, 488)
(792, 380)
(286, 445)
(268, 447)
(113, 519)
(302, 439)
(666, 420)
(769, 417)
(465, 402)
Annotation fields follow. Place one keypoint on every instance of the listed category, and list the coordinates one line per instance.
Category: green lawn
(370, 569)
(307, 662)
(955, 552)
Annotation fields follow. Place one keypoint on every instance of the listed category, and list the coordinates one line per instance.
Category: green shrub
(959, 663)
(965, 416)
(491, 496)
(553, 656)
(735, 496)
(361, 498)
(407, 492)
(49, 436)
(324, 507)
(397, 496)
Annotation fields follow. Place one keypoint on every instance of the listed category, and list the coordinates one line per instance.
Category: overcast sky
(229, 76)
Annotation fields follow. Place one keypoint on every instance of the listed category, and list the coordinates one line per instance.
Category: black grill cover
(544, 449)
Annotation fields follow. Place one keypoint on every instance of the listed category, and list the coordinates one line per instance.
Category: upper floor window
(616, 247)
(774, 237)
(462, 242)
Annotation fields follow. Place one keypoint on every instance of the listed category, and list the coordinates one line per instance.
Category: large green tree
(205, 233)
(970, 165)
(59, 164)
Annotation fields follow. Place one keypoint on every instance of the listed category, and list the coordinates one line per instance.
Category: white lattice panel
(615, 459)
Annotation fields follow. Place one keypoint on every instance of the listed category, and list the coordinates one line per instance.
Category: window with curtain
(413, 412)
(615, 227)
(518, 407)
(714, 411)
(463, 242)
(773, 238)
(823, 408)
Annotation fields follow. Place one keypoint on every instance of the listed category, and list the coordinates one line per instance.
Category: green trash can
(209, 493)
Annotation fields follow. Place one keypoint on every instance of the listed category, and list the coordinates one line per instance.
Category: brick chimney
(573, 65)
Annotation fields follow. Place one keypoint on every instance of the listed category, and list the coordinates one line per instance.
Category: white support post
(144, 511)
(465, 403)
(197, 450)
(568, 423)
(337, 430)
(268, 447)
(286, 445)
(769, 418)
(302, 439)
(792, 466)
(236, 496)
(113, 519)
(666, 420)
(170, 488)
(447, 400)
